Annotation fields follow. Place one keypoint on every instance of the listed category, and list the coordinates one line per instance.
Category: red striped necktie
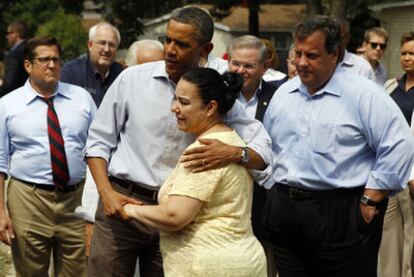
(60, 169)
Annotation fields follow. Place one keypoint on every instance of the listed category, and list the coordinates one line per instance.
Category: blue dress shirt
(350, 133)
(24, 144)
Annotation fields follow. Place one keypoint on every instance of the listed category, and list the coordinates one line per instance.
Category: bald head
(144, 51)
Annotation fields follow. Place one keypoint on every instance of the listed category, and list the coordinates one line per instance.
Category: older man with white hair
(96, 70)
(144, 51)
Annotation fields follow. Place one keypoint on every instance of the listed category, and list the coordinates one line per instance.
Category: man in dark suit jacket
(247, 56)
(14, 74)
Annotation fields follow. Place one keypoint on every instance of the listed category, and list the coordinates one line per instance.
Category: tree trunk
(338, 9)
(313, 7)
(254, 6)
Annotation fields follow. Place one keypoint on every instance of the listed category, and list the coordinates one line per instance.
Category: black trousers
(324, 235)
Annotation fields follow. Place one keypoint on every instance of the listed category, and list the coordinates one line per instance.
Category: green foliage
(68, 29)
(128, 15)
(34, 13)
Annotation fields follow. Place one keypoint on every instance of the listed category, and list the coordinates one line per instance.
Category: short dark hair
(199, 19)
(33, 43)
(406, 37)
(20, 28)
(327, 25)
(212, 86)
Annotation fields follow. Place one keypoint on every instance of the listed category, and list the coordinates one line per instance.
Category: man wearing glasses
(375, 42)
(43, 127)
(96, 72)
(14, 74)
(248, 57)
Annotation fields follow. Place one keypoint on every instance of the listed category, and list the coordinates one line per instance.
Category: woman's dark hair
(224, 89)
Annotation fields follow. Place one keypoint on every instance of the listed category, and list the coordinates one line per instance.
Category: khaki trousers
(397, 237)
(45, 225)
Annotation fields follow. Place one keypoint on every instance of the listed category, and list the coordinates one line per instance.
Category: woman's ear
(212, 107)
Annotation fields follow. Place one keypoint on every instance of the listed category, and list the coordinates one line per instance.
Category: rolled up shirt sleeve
(388, 134)
(108, 123)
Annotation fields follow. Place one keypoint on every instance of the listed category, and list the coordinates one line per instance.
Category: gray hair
(131, 55)
(249, 41)
(199, 19)
(94, 29)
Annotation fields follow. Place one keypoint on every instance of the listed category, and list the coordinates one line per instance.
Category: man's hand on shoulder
(6, 228)
(212, 154)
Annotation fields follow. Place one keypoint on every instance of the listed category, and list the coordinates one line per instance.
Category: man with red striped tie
(43, 130)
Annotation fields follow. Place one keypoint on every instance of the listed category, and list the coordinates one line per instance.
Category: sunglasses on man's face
(374, 45)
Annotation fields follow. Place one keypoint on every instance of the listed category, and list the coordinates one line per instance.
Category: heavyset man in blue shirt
(134, 138)
(340, 146)
(96, 71)
(40, 218)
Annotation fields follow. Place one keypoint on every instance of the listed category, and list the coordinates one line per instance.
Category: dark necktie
(60, 169)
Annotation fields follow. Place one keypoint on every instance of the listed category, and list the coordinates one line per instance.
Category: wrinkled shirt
(24, 144)
(350, 133)
(136, 132)
(358, 65)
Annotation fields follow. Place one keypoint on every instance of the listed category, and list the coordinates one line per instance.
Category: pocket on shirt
(323, 138)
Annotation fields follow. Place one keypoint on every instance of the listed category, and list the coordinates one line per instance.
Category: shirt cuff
(385, 181)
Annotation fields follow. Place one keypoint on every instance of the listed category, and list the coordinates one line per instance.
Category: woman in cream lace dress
(204, 218)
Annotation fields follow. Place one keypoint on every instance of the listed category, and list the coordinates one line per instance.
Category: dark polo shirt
(81, 72)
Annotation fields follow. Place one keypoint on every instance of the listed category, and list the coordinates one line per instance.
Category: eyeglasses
(47, 60)
(103, 43)
(247, 66)
(10, 32)
(374, 45)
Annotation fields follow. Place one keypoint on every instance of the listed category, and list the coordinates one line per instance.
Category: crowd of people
(191, 165)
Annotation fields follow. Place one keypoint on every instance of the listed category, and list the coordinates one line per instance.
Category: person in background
(14, 73)
(202, 233)
(248, 57)
(43, 129)
(144, 51)
(340, 146)
(291, 63)
(351, 61)
(398, 231)
(375, 43)
(96, 70)
(273, 76)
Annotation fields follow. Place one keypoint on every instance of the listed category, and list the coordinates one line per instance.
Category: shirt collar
(256, 94)
(333, 86)
(347, 59)
(31, 94)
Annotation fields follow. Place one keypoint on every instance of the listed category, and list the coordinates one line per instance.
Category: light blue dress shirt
(350, 133)
(136, 133)
(24, 144)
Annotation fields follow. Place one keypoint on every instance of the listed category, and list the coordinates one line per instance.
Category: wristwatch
(245, 158)
(365, 200)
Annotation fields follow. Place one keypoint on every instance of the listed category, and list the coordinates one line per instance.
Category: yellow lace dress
(219, 241)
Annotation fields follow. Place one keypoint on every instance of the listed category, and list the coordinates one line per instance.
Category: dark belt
(303, 194)
(134, 187)
(67, 188)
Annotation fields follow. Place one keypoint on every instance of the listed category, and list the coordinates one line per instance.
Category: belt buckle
(154, 195)
(292, 193)
(297, 194)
